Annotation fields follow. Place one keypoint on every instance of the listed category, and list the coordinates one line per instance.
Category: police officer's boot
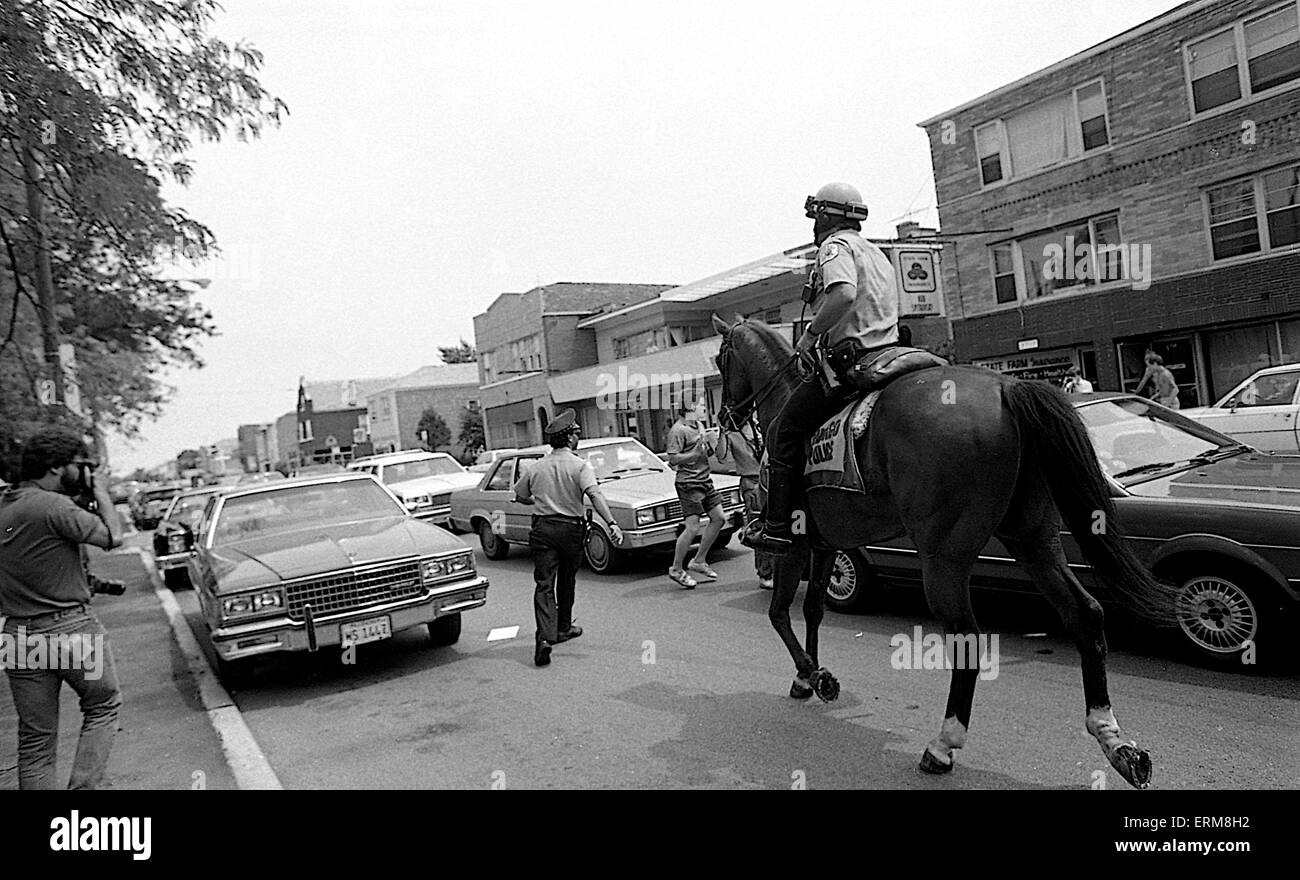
(772, 533)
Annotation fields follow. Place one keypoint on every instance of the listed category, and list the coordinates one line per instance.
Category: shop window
(1234, 354)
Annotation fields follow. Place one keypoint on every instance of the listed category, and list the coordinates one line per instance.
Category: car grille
(348, 591)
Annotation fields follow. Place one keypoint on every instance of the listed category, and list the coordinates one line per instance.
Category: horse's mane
(772, 348)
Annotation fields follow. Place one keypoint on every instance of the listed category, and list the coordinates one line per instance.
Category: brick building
(451, 390)
(1143, 193)
(332, 421)
(523, 337)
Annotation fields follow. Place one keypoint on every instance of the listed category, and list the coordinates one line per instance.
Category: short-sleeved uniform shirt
(683, 437)
(40, 554)
(557, 482)
(873, 320)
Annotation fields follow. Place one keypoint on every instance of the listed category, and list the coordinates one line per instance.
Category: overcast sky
(438, 154)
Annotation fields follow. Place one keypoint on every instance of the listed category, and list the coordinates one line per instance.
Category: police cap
(565, 420)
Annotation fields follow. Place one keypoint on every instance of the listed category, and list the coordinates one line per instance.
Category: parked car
(489, 457)
(637, 484)
(306, 563)
(148, 504)
(268, 476)
(1214, 517)
(423, 480)
(169, 544)
(1260, 411)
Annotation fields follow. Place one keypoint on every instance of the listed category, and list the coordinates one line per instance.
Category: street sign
(358, 436)
(920, 289)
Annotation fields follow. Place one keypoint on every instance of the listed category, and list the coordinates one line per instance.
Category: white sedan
(1261, 411)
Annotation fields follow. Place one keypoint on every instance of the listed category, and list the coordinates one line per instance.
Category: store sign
(920, 289)
(1026, 344)
(1046, 365)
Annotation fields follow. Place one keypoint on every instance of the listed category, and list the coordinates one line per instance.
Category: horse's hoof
(824, 685)
(931, 764)
(1132, 763)
(800, 690)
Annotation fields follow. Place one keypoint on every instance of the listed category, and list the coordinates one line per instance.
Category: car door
(1261, 412)
(497, 495)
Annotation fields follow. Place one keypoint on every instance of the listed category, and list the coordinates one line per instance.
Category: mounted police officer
(854, 299)
(556, 485)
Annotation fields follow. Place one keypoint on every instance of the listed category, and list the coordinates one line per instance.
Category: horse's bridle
(733, 418)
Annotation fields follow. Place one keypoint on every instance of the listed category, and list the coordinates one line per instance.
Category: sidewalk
(165, 739)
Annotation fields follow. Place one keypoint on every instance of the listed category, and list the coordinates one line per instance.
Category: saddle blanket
(831, 459)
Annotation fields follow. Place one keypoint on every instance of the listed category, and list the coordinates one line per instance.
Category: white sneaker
(766, 583)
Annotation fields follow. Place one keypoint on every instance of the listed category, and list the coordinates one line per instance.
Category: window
(1091, 101)
(990, 145)
(1252, 56)
(501, 480)
(645, 342)
(1055, 130)
(1238, 226)
(304, 431)
(526, 354)
(772, 316)
(1004, 274)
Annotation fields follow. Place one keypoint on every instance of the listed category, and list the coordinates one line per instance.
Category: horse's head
(736, 383)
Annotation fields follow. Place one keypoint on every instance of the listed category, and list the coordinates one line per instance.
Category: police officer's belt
(558, 517)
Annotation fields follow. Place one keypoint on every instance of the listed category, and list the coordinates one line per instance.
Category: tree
(458, 354)
(471, 432)
(100, 100)
(438, 433)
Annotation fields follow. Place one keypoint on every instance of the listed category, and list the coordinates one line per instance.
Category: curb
(243, 755)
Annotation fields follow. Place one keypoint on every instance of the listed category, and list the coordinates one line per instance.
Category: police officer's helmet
(836, 199)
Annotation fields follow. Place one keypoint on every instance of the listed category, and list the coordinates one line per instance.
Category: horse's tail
(1057, 444)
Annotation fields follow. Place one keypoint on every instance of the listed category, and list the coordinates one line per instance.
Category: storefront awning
(679, 365)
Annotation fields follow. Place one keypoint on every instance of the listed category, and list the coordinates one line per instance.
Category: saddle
(830, 453)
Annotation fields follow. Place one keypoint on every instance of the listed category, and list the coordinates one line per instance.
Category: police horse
(952, 456)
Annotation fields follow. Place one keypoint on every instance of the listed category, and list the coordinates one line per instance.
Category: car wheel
(235, 673)
(176, 579)
(494, 546)
(601, 554)
(1221, 608)
(853, 585)
(445, 630)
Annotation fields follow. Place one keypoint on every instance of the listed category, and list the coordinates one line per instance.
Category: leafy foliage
(471, 432)
(463, 353)
(439, 434)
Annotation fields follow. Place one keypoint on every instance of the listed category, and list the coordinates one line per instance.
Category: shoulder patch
(830, 251)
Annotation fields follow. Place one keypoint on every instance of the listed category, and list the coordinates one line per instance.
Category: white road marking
(243, 755)
(503, 632)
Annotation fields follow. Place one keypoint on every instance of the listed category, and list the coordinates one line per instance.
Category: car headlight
(444, 567)
(251, 603)
(645, 517)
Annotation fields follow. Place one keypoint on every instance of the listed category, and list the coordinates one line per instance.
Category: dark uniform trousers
(556, 543)
(805, 409)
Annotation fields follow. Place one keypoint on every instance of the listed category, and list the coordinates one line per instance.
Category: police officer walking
(854, 299)
(556, 486)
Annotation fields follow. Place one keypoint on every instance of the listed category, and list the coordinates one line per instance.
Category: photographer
(45, 600)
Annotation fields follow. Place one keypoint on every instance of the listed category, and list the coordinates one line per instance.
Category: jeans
(36, 697)
(753, 510)
(557, 552)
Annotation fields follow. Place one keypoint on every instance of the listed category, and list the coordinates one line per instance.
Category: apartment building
(1141, 194)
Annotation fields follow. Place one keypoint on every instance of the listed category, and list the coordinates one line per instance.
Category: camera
(102, 586)
(85, 497)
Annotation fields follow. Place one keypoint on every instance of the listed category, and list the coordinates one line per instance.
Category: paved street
(711, 710)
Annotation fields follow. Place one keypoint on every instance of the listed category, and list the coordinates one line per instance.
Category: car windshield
(425, 467)
(614, 459)
(1133, 437)
(297, 507)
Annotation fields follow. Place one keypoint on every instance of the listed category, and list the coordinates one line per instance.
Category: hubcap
(844, 578)
(1217, 615)
(597, 550)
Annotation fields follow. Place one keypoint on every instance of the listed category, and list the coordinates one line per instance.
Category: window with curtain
(1039, 135)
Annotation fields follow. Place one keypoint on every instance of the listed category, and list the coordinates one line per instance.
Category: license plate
(362, 631)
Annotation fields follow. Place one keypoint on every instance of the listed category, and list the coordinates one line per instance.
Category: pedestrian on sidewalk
(738, 447)
(688, 450)
(555, 485)
(45, 600)
(1074, 383)
(1164, 390)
